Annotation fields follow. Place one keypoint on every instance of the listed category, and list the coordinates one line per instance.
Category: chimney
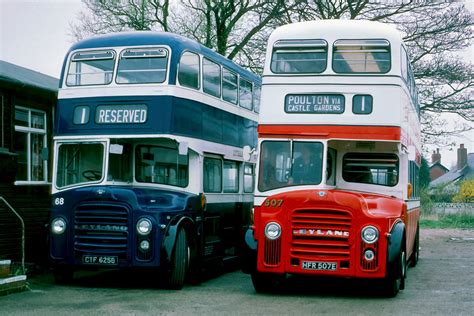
(462, 156)
(436, 156)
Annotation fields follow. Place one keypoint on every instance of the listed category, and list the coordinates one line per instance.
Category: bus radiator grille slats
(272, 252)
(366, 264)
(101, 229)
(320, 234)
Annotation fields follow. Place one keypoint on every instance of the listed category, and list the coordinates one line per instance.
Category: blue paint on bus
(166, 115)
(177, 43)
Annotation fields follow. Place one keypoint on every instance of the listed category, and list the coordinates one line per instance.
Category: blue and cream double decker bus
(149, 168)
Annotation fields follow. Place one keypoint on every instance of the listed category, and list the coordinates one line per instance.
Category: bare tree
(105, 16)
(239, 30)
(433, 31)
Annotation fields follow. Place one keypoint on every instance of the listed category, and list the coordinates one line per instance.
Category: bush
(466, 192)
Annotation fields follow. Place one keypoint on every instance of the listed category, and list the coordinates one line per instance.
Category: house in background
(27, 100)
(436, 168)
(463, 170)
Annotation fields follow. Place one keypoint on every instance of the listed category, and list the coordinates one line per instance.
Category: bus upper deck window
(142, 65)
(299, 56)
(361, 56)
(245, 94)
(91, 68)
(256, 98)
(211, 77)
(188, 73)
(229, 86)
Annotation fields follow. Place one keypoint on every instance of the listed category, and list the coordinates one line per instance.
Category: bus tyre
(63, 275)
(179, 262)
(265, 282)
(416, 249)
(396, 274)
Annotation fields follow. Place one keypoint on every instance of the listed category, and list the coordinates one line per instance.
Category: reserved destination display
(121, 114)
(314, 103)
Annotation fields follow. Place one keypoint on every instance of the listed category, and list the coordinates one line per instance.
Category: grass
(447, 221)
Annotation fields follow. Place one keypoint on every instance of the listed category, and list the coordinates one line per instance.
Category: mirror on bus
(247, 152)
(183, 148)
(116, 149)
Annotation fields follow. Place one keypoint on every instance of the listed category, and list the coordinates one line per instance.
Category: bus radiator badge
(322, 193)
(100, 192)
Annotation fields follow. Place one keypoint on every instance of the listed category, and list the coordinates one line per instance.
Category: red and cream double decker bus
(339, 154)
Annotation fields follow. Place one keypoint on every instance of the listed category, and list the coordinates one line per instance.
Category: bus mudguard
(395, 241)
(171, 234)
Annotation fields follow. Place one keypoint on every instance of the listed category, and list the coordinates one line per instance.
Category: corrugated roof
(26, 77)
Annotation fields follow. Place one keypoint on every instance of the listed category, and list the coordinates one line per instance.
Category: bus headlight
(145, 245)
(144, 226)
(272, 230)
(369, 255)
(58, 226)
(370, 234)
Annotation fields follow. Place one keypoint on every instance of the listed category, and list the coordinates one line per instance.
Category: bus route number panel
(315, 103)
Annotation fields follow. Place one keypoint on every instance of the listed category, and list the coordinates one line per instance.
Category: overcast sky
(35, 34)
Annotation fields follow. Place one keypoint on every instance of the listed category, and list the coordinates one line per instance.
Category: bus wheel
(63, 275)
(416, 249)
(179, 262)
(395, 280)
(265, 282)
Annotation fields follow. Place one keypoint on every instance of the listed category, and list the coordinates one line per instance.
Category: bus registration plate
(318, 265)
(100, 260)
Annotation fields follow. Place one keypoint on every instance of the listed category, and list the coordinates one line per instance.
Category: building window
(30, 140)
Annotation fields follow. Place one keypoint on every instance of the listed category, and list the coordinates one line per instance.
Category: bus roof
(177, 43)
(332, 30)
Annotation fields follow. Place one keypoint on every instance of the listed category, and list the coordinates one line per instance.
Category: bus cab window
(307, 163)
(275, 165)
(120, 165)
(79, 163)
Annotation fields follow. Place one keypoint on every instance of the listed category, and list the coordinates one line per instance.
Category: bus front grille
(101, 229)
(320, 234)
(272, 252)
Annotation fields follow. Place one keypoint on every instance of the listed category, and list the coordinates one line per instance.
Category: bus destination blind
(314, 103)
